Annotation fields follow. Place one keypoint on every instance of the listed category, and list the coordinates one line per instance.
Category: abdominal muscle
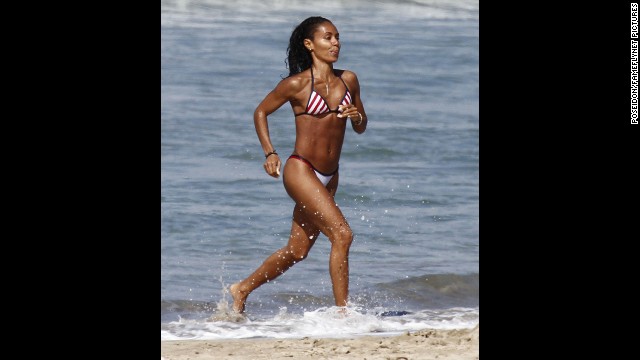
(319, 140)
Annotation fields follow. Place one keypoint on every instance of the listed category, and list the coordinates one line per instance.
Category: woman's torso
(319, 137)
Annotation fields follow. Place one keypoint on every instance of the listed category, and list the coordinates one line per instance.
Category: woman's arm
(281, 94)
(354, 86)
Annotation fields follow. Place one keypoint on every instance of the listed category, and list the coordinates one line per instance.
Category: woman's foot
(239, 298)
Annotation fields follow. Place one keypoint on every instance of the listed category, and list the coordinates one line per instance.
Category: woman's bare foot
(239, 298)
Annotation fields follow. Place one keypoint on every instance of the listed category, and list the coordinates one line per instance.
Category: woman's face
(325, 43)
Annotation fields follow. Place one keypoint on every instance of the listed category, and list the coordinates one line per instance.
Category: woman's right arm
(272, 102)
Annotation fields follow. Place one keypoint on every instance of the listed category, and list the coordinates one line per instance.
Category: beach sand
(428, 344)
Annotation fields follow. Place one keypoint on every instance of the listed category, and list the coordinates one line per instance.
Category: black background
(558, 193)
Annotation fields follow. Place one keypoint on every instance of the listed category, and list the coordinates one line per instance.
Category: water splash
(224, 311)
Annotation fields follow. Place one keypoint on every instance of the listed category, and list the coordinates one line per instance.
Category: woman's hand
(272, 165)
(349, 111)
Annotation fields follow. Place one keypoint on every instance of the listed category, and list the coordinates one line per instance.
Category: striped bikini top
(317, 104)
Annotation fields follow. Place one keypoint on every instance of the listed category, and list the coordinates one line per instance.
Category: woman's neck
(323, 71)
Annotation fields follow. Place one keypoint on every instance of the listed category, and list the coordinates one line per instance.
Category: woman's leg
(315, 211)
(321, 210)
(303, 236)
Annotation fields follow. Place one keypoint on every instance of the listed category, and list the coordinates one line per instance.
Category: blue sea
(408, 186)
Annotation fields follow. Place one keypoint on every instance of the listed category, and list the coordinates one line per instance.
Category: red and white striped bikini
(317, 105)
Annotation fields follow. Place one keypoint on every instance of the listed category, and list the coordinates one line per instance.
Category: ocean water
(408, 186)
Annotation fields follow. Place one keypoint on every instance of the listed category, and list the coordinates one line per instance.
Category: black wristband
(271, 153)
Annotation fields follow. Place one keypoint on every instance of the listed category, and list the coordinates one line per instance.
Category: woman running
(323, 99)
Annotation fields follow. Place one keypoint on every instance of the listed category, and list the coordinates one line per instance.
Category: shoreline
(427, 344)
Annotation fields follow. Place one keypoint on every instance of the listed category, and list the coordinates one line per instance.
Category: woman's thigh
(315, 202)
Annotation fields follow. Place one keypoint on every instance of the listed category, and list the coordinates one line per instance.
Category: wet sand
(428, 344)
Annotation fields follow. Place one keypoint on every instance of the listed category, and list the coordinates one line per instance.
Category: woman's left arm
(356, 112)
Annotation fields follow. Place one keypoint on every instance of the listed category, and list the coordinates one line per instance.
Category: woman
(323, 99)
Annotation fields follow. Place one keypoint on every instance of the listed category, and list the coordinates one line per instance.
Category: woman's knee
(297, 253)
(343, 237)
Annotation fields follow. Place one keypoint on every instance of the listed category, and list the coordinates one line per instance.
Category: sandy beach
(462, 344)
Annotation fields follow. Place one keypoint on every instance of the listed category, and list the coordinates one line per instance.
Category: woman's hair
(298, 56)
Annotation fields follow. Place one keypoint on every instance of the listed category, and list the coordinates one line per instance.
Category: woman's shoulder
(349, 77)
(346, 74)
(296, 81)
(292, 85)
